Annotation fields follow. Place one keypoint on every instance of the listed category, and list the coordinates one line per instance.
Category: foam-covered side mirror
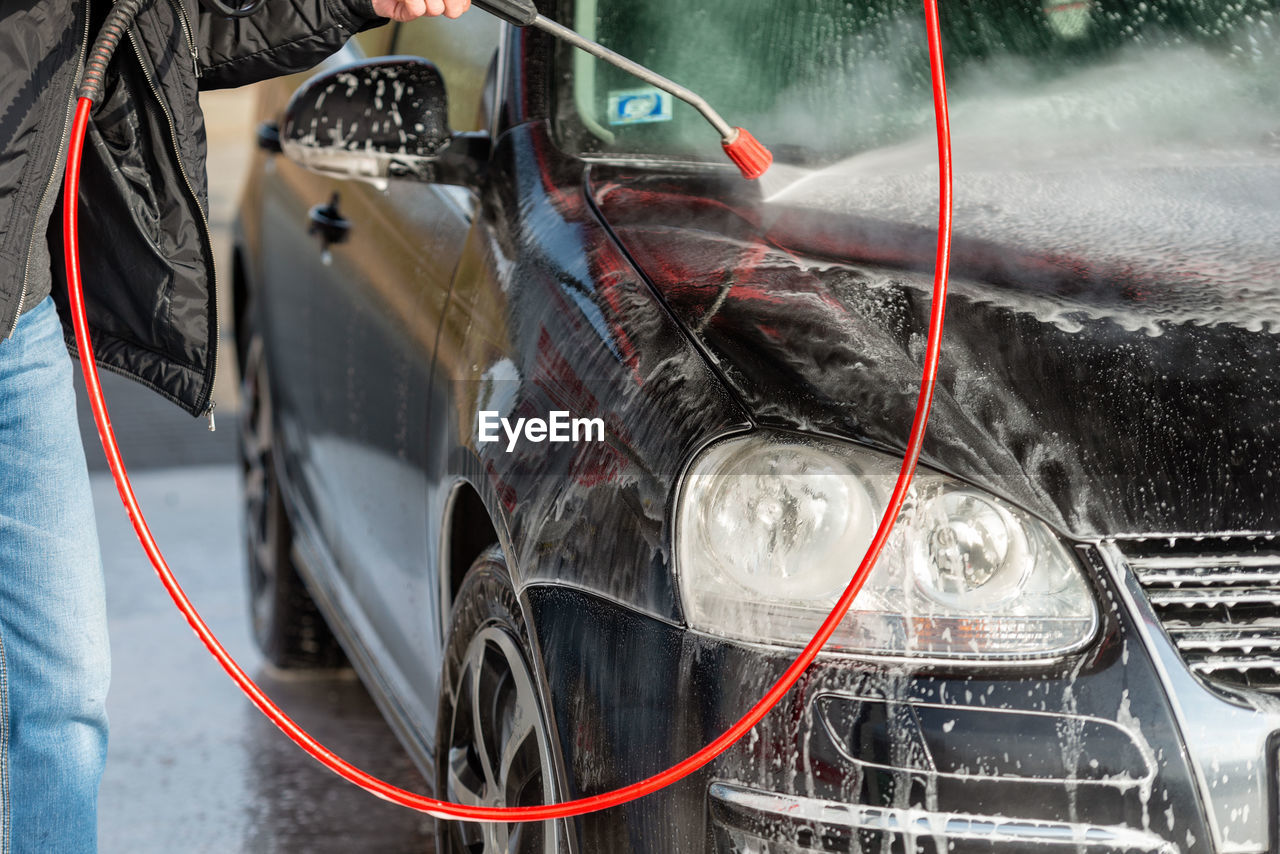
(374, 120)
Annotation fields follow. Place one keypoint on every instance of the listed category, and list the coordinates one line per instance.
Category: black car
(570, 436)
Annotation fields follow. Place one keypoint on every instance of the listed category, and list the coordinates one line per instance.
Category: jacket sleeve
(283, 37)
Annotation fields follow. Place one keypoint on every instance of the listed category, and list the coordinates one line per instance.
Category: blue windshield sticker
(637, 106)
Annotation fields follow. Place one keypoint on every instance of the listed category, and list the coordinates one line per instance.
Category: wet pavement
(192, 767)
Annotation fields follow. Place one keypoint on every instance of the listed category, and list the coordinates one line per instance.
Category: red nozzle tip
(752, 158)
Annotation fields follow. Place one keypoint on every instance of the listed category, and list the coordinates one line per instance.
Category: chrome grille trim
(1201, 561)
(1217, 640)
(1212, 597)
(1216, 665)
(1219, 601)
(1203, 576)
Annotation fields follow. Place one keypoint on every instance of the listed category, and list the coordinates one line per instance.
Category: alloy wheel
(498, 749)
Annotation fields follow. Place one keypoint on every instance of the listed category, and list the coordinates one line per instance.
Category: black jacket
(144, 238)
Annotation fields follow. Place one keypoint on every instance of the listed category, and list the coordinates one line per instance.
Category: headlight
(770, 529)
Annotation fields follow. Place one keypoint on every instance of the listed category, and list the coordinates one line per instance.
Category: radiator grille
(1219, 600)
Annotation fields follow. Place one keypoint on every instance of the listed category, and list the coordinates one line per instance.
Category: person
(151, 309)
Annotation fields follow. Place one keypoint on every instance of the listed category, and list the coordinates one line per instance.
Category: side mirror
(376, 120)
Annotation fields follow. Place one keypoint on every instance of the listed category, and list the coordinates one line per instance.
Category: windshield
(819, 80)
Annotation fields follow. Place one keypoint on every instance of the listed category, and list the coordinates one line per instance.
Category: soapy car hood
(1111, 359)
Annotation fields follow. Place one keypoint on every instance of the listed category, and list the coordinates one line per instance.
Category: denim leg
(53, 628)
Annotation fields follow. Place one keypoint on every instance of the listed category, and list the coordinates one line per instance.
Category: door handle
(328, 223)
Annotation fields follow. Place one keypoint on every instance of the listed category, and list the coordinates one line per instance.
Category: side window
(462, 49)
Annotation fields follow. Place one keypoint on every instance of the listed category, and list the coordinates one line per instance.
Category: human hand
(407, 10)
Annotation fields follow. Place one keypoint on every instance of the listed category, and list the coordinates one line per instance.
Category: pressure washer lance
(118, 23)
(752, 158)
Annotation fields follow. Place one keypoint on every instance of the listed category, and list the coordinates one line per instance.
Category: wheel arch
(468, 530)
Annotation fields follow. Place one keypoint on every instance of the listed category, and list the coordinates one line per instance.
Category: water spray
(753, 159)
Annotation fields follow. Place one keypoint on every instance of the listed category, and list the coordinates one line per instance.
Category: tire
(288, 627)
(489, 707)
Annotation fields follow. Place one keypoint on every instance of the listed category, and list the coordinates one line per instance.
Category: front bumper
(749, 821)
(1085, 756)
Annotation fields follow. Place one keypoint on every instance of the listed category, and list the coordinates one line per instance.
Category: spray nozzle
(751, 158)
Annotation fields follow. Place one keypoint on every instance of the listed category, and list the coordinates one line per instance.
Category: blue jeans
(54, 660)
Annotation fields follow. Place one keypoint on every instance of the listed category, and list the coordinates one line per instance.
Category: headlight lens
(770, 529)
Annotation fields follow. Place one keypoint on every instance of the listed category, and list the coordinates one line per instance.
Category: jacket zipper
(204, 223)
(186, 29)
(44, 197)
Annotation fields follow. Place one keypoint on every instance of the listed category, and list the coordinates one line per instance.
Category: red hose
(443, 809)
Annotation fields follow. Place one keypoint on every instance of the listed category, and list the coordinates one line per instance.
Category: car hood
(1110, 363)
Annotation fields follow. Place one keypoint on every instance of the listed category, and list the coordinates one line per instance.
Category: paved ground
(192, 766)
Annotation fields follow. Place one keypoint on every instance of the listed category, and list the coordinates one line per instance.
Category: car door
(388, 257)
(290, 266)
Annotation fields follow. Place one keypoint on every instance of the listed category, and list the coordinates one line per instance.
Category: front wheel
(493, 746)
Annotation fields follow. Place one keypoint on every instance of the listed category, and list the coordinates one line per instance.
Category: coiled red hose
(443, 809)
